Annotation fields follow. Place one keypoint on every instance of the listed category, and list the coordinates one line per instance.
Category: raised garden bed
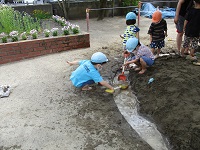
(15, 51)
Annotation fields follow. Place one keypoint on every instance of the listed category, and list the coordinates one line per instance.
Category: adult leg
(179, 27)
(185, 45)
(179, 38)
(194, 45)
(182, 52)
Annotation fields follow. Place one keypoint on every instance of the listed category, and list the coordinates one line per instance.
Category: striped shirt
(157, 30)
(143, 51)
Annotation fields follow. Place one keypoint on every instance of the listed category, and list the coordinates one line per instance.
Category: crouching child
(88, 72)
(143, 56)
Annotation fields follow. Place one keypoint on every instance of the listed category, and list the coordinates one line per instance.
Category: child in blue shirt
(88, 72)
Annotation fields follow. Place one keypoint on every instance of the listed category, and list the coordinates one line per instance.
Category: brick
(3, 54)
(16, 59)
(14, 51)
(49, 51)
(39, 49)
(59, 49)
(6, 48)
(3, 61)
(33, 54)
(27, 50)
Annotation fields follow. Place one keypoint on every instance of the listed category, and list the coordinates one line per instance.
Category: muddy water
(127, 104)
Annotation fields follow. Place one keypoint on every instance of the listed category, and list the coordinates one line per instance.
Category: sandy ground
(44, 111)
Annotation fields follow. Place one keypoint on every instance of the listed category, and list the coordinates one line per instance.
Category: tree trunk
(65, 8)
(103, 4)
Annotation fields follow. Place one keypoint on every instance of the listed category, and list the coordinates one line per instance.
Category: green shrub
(130, 2)
(12, 20)
(40, 14)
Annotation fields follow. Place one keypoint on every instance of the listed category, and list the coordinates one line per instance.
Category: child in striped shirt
(157, 32)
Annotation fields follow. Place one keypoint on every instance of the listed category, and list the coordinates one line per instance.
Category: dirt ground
(171, 100)
(44, 111)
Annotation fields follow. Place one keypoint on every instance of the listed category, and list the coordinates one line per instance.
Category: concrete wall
(163, 3)
(30, 8)
(15, 51)
(77, 9)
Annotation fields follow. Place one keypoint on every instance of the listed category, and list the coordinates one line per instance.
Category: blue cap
(131, 44)
(131, 16)
(99, 57)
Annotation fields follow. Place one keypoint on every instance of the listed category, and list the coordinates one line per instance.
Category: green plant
(54, 31)
(23, 36)
(12, 20)
(65, 30)
(46, 33)
(4, 37)
(30, 23)
(40, 14)
(130, 2)
(33, 33)
(14, 36)
(75, 29)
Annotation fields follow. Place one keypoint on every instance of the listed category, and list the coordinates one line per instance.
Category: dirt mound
(171, 100)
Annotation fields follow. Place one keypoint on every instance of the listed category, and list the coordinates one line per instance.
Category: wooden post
(113, 11)
(139, 6)
(87, 19)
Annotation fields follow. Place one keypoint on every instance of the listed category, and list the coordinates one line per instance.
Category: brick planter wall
(15, 51)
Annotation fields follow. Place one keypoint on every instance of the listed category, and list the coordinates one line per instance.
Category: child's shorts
(148, 61)
(87, 83)
(193, 40)
(158, 44)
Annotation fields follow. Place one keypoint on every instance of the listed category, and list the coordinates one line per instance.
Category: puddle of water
(126, 102)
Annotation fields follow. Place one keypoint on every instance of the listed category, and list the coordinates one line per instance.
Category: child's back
(131, 30)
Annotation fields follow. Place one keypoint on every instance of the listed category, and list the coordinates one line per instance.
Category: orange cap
(157, 16)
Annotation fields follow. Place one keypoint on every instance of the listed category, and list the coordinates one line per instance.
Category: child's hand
(175, 19)
(126, 64)
(136, 29)
(121, 36)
